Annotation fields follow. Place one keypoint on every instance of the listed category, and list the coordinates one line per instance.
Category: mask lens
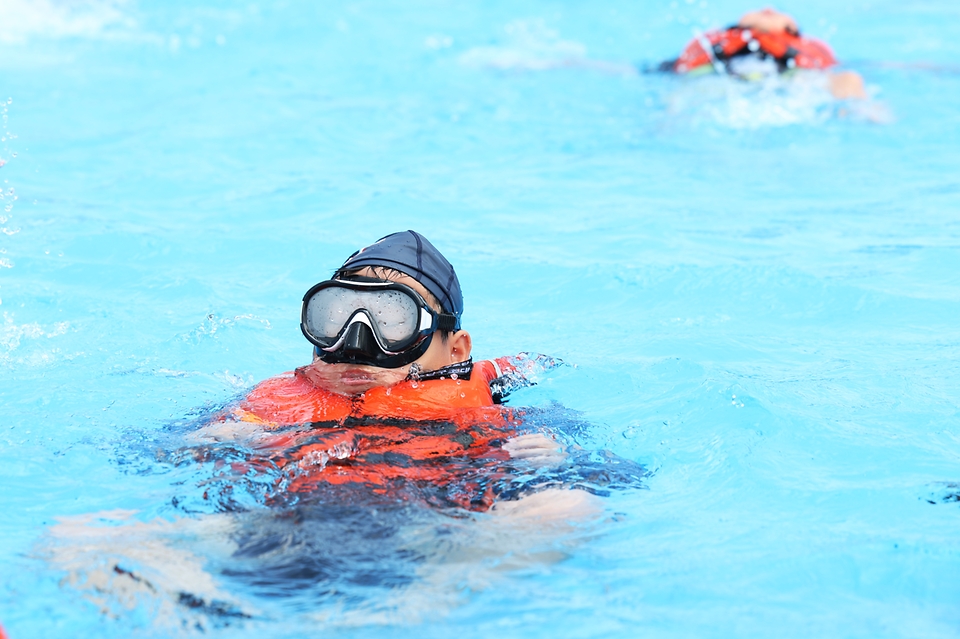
(396, 315)
(327, 312)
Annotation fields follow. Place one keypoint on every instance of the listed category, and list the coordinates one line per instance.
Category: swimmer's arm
(847, 85)
(224, 431)
(232, 426)
(116, 561)
(551, 507)
(536, 449)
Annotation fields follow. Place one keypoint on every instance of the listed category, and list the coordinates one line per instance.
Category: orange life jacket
(442, 433)
(291, 398)
(789, 50)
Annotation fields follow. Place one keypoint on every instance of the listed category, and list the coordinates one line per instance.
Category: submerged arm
(847, 85)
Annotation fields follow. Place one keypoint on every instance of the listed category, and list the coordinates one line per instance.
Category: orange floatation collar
(420, 432)
(790, 50)
(292, 399)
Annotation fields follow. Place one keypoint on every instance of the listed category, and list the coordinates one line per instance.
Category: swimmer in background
(761, 44)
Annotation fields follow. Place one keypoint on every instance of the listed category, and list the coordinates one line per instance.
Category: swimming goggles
(370, 321)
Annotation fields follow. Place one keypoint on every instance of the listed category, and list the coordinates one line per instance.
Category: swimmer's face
(769, 21)
(354, 379)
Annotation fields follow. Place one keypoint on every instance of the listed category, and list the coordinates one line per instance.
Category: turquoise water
(756, 289)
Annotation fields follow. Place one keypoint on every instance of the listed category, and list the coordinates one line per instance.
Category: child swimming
(384, 463)
(392, 401)
(760, 44)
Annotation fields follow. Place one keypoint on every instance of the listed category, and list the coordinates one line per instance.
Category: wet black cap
(414, 255)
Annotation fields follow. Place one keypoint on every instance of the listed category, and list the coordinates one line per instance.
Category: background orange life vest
(789, 50)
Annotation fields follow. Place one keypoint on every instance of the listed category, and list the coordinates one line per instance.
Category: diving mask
(370, 322)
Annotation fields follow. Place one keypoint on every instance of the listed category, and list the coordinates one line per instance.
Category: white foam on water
(214, 323)
(25, 19)
(737, 104)
(17, 337)
(773, 102)
(529, 46)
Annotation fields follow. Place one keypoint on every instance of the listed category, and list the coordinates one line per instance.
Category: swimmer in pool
(392, 401)
(763, 43)
(385, 462)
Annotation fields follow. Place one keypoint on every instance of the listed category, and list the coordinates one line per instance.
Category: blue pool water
(757, 292)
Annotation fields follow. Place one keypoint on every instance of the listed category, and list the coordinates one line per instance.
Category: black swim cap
(412, 254)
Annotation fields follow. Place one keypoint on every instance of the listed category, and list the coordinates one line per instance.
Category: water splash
(316, 460)
(525, 369)
(776, 101)
(8, 195)
(13, 336)
(213, 324)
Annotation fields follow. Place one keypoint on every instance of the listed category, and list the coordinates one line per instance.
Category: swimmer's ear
(460, 345)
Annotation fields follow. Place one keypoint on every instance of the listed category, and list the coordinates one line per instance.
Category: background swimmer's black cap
(412, 254)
